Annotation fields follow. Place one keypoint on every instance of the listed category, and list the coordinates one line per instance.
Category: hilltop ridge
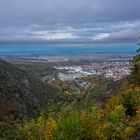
(22, 94)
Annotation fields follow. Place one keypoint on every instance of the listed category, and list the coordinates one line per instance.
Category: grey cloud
(71, 19)
(131, 35)
(111, 32)
(52, 11)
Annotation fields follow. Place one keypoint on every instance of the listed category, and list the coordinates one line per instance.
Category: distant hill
(21, 93)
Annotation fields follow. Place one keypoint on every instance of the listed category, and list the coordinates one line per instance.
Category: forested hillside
(115, 118)
(22, 94)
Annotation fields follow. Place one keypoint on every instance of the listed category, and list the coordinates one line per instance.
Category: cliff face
(21, 93)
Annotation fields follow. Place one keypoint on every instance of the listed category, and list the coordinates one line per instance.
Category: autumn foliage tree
(135, 75)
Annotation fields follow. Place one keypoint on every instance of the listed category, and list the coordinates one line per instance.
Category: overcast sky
(70, 20)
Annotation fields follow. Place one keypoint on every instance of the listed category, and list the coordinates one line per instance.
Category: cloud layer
(70, 20)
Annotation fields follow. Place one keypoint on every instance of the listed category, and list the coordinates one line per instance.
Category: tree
(135, 75)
